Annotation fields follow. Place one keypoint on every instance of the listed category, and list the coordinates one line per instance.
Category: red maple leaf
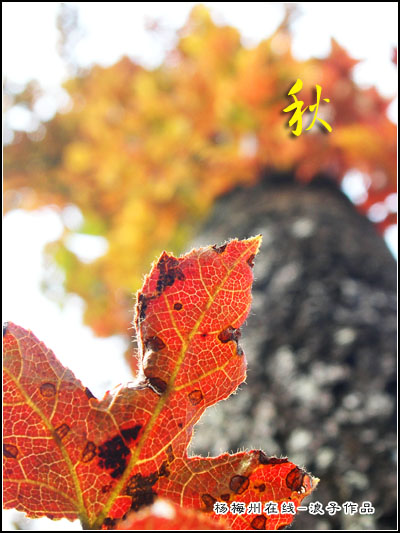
(68, 454)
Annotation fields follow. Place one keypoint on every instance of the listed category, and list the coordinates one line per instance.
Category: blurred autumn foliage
(144, 153)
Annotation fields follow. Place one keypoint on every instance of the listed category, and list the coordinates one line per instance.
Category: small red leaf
(166, 515)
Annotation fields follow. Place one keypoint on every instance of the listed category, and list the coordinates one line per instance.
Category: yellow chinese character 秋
(298, 112)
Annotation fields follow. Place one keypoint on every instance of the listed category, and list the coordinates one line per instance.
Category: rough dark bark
(320, 344)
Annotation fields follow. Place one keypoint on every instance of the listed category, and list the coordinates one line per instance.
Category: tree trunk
(320, 343)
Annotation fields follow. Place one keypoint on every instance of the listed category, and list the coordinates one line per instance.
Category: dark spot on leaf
(180, 425)
(294, 480)
(225, 497)
(89, 394)
(258, 522)
(260, 487)
(62, 430)
(239, 484)
(178, 306)
(130, 434)
(144, 481)
(204, 335)
(89, 452)
(50, 516)
(143, 302)
(142, 498)
(154, 343)
(208, 501)
(138, 481)
(164, 472)
(158, 385)
(48, 390)
(5, 328)
(140, 489)
(250, 260)
(169, 270)
(219, 249)
(195, 397)
(229, 334)
(10, 451)
(109, 523)
(265, 460)
(106, 488)
(113, 455)
(170, 454)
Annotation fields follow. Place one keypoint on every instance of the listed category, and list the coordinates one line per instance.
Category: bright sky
(367, 29)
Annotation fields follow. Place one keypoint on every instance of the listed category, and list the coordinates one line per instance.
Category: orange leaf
(70, 455)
